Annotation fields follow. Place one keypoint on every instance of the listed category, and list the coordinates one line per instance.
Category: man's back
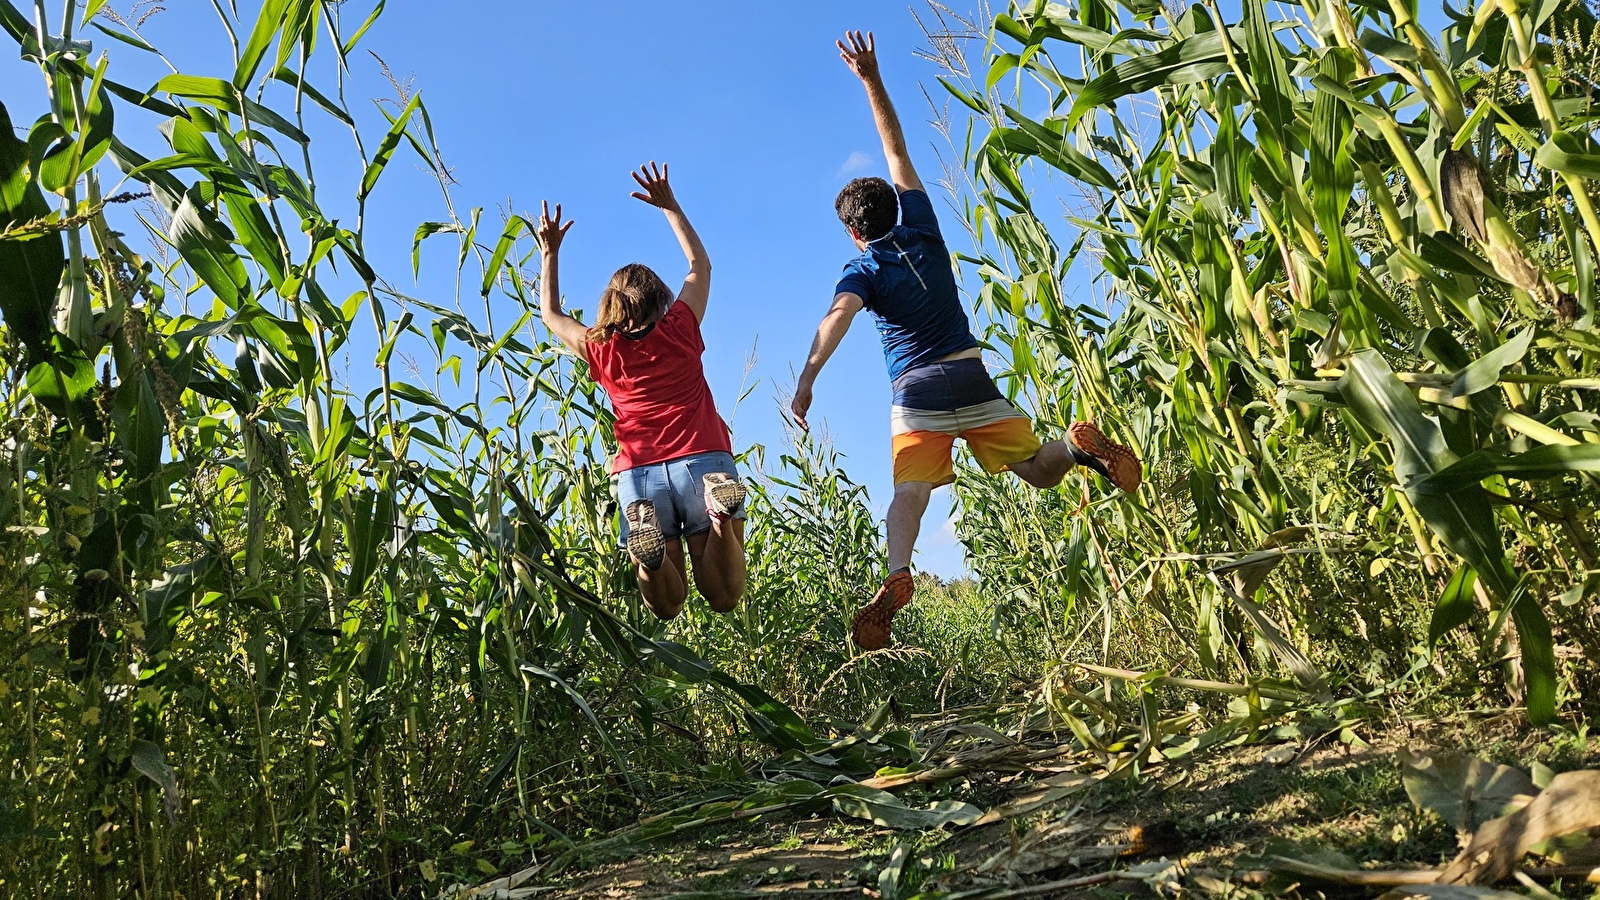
(906, 280)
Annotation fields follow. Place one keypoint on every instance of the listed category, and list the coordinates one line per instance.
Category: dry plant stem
(1238, 690)
(1403, 877)
(1570, 804)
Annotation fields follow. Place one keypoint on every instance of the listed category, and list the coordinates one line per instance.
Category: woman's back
(659, 393)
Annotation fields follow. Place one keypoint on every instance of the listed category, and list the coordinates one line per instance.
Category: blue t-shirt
(906, 280)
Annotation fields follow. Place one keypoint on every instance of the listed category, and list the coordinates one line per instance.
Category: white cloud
(858, 162)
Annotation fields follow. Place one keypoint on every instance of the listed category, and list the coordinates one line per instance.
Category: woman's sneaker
(646, 544)
(1117, 463)
(875, 620)
(724, 496)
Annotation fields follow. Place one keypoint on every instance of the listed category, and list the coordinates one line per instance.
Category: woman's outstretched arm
(657, 192)
(569, 330)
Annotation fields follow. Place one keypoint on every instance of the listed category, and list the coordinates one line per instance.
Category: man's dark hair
(870, 206)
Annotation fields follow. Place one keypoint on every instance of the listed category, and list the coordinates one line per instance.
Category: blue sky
(535, 100)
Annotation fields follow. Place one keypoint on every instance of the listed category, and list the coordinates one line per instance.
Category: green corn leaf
(65, 382)
(1485, 372)
(386, 148)
(1271, 73)
(1538, 659)
(1191, 60)
(142, 100)
(1455, 606)
(1388, 48)
(355, 38)
(583, 705)
(1566, 153)
(968, 99)
(268, 23)
(15, 23)
(425, 231)
(1033, 139)
(219, 94)
(129, 39)
(289, 77)
(32, 267)
(1333, 174)
(1002, 65)
(168, 190)
(516, 227)
(1540, 463)
(297, 26)
(1009, 27)
(256, 233)
(1464, 518)
(203, 242)
(885, 809)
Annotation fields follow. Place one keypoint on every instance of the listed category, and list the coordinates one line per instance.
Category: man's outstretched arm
(832, 330)
(861, 55)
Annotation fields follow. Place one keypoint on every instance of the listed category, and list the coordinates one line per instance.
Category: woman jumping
(674, 466)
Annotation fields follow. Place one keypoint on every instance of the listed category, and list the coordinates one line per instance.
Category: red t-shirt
(659, 393)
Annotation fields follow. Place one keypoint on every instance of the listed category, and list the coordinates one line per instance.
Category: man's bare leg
(905, 521)
(1052, 463)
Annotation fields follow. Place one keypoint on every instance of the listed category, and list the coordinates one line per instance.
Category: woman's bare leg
(664, 589)
(719, 564)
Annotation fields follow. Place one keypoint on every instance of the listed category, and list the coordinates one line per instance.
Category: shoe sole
(874, 624)
(646, 544)
(1122, 464)
(726, 498)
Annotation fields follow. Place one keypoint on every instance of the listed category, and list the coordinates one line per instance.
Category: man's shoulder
(861, 261)
(859, 268)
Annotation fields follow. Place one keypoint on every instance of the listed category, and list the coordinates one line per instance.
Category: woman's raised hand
(551, 231)
(656, 190)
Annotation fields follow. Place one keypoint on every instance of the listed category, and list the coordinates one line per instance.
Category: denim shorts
(677, 489)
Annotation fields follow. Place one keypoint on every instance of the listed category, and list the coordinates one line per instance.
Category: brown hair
(635, 299)
(868, 206)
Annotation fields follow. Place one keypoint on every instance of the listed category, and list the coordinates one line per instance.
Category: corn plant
(281, 625)
(1348, 301)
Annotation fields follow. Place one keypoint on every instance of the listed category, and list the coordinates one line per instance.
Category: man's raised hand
(656, 190)
(800, 406)
(551, 231)
(860, 54)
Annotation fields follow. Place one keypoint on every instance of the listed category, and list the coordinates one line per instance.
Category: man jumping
(941, 389)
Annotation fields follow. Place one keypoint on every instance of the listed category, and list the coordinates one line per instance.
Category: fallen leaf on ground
(1464, 790)
(1451, 892)
(1569, 805)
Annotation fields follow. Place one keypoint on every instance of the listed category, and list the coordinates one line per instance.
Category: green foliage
(285, 625)
(1347, 277)
(282, 625)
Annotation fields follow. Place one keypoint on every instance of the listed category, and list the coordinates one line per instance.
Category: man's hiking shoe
(872, 624)
(724, 495)
(1117, 463)
(646, 544)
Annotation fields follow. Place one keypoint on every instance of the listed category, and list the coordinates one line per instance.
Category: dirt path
(1317, 800)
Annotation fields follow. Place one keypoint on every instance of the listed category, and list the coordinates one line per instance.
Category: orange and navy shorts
(936, 403)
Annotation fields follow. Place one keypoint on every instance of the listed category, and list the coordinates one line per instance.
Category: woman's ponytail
(635, 299)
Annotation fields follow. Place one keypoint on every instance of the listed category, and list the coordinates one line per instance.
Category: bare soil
(1214, 812)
